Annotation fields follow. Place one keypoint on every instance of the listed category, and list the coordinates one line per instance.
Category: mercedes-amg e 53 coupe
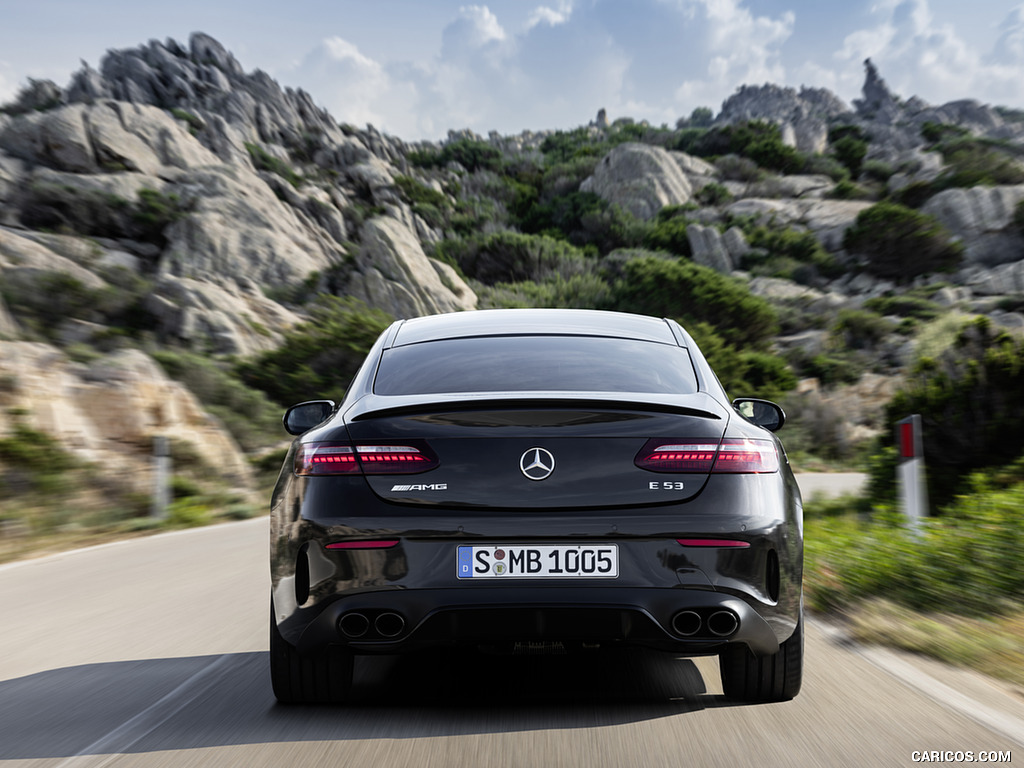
(536, 478)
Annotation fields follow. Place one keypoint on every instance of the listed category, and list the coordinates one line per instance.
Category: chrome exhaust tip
(353, 625)
(686, 623)
(723, 623)
(389, 624)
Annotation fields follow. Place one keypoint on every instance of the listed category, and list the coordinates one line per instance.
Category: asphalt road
(152, 652)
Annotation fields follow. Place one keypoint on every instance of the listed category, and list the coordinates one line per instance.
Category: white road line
(111, 746)
(1000, 722)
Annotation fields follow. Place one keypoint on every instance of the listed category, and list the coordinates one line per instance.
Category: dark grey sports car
(523, 480)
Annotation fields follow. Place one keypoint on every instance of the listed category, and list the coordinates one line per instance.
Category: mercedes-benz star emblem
(537, 463)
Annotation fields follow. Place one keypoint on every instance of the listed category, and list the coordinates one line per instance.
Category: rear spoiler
(379, 406)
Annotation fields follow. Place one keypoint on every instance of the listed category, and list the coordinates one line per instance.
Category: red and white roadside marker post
(913, 494)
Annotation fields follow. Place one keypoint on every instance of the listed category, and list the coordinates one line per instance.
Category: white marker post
(161, 477)
(913, 494)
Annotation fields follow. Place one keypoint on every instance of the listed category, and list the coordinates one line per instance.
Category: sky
(419, 68)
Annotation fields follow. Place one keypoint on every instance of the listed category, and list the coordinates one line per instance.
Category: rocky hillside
(172, 201)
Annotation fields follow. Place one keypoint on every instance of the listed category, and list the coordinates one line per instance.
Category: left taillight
(314, 459)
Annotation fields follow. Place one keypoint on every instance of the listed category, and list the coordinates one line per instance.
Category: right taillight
(312, 459)
(731, 456)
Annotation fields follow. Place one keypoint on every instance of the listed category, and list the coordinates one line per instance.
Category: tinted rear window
(545, 363)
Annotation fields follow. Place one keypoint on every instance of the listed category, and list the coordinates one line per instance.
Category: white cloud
(917, 55)
(738, 46)
(8, 84)
(652, 59)
(355, 88)
(648, 59)
(542, 14)
(1009, 47)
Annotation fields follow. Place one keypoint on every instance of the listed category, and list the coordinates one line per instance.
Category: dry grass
(993, 646)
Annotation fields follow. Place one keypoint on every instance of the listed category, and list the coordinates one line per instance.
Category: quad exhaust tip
(353, 624)
(722, 623)
(389, 624)
(686, 623)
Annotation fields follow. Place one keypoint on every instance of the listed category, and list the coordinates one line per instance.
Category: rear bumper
(688, 621)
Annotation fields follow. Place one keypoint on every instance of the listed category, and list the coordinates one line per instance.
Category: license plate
(538, 562)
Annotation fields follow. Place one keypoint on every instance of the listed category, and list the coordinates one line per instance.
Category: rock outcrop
(828, 220)
(722, 252)
(982, 218)
(803, 117)
(109, 411)
(641, 178)
(229, 178)
(393, 273)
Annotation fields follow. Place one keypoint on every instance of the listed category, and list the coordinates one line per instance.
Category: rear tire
(324, 677)
(777, 677)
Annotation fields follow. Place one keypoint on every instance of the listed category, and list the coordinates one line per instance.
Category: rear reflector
(733, 456)
(382, 544)
(375, 459)
(714, 543)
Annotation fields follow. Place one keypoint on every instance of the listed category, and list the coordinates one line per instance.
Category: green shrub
(415, 191)
(850, 152)
(248, 415)
(318, 358)
(904, 306)
(714, 194)
(845, 190)
(965, 562)
(583, 218)
(701, 117)
(691, 293)
(565, 146)
(816, 427)
(859, 329)
(878, 170)
(736, 168)
(933, 132)
(264, 161)
(154, 212)
(195, 123)
(511, 257)
(37, 452)
(471, 154)
(900, 243)
(828, 166)
(746, 373)
(969, 400)
(584, 291)
(757, 140)
(668, 232)
(784, 243)
(182, 487)
(189, 513)
(974, 161)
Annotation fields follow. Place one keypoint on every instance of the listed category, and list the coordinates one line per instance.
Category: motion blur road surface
(153, 652)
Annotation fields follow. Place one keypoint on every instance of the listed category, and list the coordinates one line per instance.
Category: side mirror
(304, 416)
(763, 413)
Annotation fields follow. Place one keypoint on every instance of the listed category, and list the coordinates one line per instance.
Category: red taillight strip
(733, 456)
(325, 459)
(714, 543)
(381, 544)
(375, 459)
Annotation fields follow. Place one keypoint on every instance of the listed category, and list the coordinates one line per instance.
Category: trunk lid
(537, 453)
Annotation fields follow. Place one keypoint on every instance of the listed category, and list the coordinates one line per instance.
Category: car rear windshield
(535, 363)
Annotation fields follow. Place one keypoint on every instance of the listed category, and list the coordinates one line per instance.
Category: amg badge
(429, 487)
